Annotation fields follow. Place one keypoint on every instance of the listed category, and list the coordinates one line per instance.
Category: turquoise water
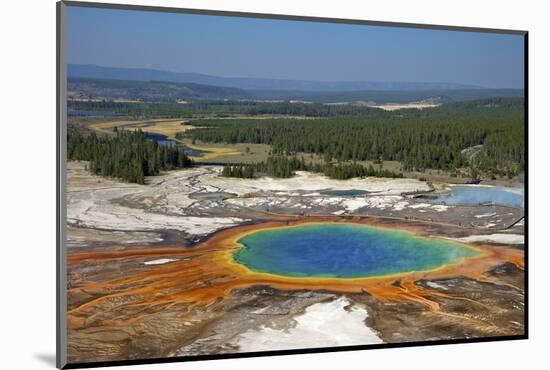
(474, 195)
(343, 250)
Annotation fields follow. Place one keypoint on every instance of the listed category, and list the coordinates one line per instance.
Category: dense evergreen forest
(128, 156)
(219, 108)
(342, 135)
(420, 140)
(284, 167)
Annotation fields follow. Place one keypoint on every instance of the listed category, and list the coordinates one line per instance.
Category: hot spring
(476, 195)
(344, 251)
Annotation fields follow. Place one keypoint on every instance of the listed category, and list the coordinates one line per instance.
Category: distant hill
(153, 91)
(246, 83)
(86, 80)
(163, 91)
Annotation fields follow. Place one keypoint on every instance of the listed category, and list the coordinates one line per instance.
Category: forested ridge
(152, 91)
(220, 108)
(284, 167)
(128, 156)
(420, 140)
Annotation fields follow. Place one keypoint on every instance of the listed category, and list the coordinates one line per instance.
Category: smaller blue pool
(476, 195)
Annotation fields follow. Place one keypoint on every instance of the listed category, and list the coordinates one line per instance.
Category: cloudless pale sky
(247, 47)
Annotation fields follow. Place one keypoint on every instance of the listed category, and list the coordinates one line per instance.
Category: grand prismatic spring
(344, 251)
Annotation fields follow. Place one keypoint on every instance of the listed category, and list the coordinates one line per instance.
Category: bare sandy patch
(160, 261)
(493, 238)
(321, 325)
(307, 181)
(397, 106)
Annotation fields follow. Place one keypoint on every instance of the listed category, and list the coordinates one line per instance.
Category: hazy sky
(244, 47)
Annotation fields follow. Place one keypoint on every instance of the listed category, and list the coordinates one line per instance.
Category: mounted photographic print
(234, 184)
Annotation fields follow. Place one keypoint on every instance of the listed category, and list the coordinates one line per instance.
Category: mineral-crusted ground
(147, 275)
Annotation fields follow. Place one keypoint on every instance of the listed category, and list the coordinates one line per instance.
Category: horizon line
(160, 69)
